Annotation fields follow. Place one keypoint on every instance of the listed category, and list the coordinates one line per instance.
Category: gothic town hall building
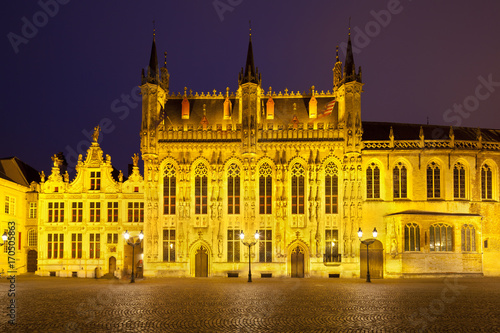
(304, 172)
(301, 169)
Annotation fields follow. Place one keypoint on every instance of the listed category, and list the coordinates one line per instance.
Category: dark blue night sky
(66, 68)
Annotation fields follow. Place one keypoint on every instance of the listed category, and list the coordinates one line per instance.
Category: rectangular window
(112, 238)
(331, 194)
(266, 245)
(332, 245)
(76, 246)
(55, 246)
(233, 195)
(169, 245)
(200, 193)
(112, 211)
(298, 195)
(95, 246)
(33, 209)
(233, 245)
(95, 180)
(95, 212)
(56, 211)
(10, 205)
(76, 211)
(265, 195)
(32, 238)
(169, 195)
(136, 212)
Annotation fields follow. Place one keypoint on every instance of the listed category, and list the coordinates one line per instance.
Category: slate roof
(15, 170)
(283, 110)
(375, 131)
(422, 212)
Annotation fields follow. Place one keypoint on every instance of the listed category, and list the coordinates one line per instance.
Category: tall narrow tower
(154, 89)
(348, 89)
(249, 82)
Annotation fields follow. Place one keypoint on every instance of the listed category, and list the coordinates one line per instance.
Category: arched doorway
(112, 265)
(32, 262)
(201, 262)
(376, 260)
(297, 262)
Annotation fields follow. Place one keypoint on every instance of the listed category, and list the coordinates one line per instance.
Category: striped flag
(327, 110)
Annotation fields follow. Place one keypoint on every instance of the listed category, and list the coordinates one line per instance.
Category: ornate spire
(349, 66)
(153, 73)
(250, 74)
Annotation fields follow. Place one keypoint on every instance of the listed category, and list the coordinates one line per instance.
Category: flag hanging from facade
(327, 110)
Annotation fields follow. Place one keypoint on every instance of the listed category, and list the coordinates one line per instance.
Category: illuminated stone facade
(82, 222)
(19, 198)
(304, 170)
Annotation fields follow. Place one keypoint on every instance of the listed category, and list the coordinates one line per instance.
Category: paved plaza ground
(50, 304)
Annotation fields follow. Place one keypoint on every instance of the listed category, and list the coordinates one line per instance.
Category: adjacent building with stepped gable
(306, 173)
(300, 168)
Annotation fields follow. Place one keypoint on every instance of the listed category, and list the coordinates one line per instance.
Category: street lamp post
(131, 242)
(367, 242)
(249, 244)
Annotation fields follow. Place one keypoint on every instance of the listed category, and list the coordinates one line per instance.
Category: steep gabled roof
(15, 170)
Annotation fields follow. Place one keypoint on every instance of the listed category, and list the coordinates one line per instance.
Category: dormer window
(95, 180)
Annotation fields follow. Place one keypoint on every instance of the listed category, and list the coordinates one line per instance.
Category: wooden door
(32, 261)
(112, 265)
(297, 262)
(376, 260)
(201, 262)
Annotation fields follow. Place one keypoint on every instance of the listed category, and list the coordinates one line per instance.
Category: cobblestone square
(49, 304)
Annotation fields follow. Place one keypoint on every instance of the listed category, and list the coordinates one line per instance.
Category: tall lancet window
(433, 181)
(233, 189)
(298, 184)
(459, 181)
(331, 189)
(169, 190)
(400, 181)
(265, 189)
(200, 189)
(486, 182)
(372, 181)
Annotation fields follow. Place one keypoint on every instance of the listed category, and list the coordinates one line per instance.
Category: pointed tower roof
(349, 67)
(153, 73)
(153, 60)
(250, 72)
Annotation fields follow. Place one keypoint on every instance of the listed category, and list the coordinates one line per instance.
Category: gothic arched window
(372, 181)
(331, 189)
(298, 188)
(399, 178)
(486, 182)
(265, 189)
(433, 181)
(441, 237)
(412, 237)
(233, 189)
(169, 190)
(459, 181)
(468, 238)
(200, 189)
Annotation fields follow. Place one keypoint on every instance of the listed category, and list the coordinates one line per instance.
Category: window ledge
(460, 199)
(488, 200)
(374, 199)
(402, 199)
(332, 263)
(436, 199)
